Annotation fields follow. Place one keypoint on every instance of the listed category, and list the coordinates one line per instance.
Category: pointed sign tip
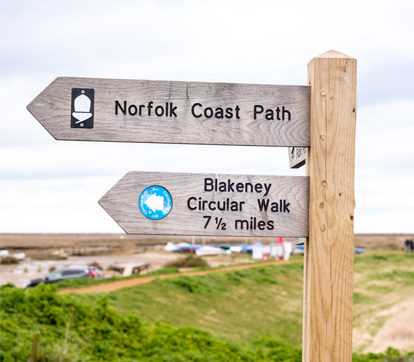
(31, 107)
(102, 200)
(102, 204)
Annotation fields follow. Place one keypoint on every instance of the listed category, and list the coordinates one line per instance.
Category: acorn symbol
(82, 107)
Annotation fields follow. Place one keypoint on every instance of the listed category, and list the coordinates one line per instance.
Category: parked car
(68, 273)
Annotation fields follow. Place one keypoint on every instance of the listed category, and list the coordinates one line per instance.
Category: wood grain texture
(328, 286)
(121, 203)
(297, 156)
(52, 108)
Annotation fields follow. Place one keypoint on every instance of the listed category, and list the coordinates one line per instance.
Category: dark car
(68, 273)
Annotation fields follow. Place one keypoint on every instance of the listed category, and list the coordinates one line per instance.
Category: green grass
(234, 315)
(75, 329)
(381, 279)
(240, 306)
(86, 282)
(262, 301)
(236, 306)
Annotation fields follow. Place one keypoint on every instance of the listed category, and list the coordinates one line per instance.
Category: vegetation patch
(249, 315)
(8, 260)
(238, 306)
(86, 282)
(74, 329)
(190, 261)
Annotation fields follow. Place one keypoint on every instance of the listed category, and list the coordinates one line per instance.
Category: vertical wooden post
(329, 251)
(33, 353)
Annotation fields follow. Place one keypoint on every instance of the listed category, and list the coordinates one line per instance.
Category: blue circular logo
(155, 202)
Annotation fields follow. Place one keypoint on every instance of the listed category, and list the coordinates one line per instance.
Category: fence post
(35, 343)
(329, 250)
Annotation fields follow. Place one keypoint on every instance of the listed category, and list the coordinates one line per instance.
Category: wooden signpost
(209, 204)
(329, 250)
(317, 120)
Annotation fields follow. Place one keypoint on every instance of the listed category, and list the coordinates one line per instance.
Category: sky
(54, 186)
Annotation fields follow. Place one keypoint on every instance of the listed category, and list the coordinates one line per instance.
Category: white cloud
(55, 205)
(385, 168)
(78, 159)
(385, 222)
(384, 136)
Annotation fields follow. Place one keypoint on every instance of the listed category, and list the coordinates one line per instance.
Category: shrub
(73, 328)
(189, 261)
(7, 260)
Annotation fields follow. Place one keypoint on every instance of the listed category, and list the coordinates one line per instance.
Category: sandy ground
(398, 330)
(22, 273)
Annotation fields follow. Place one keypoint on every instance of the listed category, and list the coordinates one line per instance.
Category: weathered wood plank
(297, 156)
(329, 252)
(239, 124)
(186, 218)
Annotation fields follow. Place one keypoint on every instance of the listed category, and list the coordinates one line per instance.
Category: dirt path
(110, 287)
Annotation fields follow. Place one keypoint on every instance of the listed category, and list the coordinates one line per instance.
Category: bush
(189, 261)
(77, 328)
(7, 260)
(391, 355)
(73, 328)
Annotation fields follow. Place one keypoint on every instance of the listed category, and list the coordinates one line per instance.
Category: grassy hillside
(240, 306)
(245, 315)
(72, 329)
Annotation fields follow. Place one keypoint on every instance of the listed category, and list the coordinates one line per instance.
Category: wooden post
(329, 251)
(33, 353)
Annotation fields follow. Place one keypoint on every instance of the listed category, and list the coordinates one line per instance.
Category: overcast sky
(53, 186)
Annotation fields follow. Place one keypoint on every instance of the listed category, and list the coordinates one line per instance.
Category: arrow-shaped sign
(209, 204)
(88, 109)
